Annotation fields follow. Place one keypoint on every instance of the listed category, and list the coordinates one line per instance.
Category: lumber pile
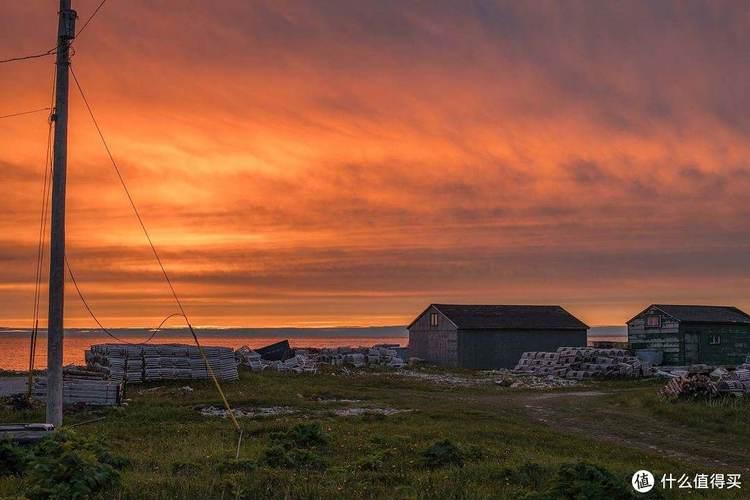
(695, 384)
(690, 388)
(139, 363)
(582, 363)
(81, 386)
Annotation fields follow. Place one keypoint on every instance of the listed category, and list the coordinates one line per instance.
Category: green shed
(688, 334)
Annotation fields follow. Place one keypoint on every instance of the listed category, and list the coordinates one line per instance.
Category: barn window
(653, 321)
(715, 339)
(434, 319)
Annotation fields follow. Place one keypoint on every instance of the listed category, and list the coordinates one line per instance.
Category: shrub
(301, 436)
(529, 474)
(294, 458)
(240, 465)
(584, 481)
(297, 448)
(68, 466)
(13, 459)
(441, 454)
(373, 461)
(185, 468)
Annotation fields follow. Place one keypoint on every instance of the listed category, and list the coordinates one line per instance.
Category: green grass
(177, 453)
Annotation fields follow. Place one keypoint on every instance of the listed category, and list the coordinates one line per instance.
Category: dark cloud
(348, 159)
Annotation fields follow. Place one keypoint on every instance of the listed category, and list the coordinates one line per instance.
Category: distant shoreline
(348, 331)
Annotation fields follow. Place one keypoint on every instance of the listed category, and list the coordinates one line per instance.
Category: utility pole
(65, 34)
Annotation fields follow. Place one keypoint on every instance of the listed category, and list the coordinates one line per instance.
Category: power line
(127, 192)
(53, 50)
(90, 18)
(156, 254)
(99, 324)
(46, 190)
(25, 112)
(33, 56)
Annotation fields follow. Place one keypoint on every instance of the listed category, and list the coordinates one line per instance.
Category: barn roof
(701, 314)
(473, 317)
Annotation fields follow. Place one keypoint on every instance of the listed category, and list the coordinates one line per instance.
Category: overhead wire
(155, 252)
(26, 112)
(93, 14)
(44, 215)
(53, 50)
(99, 323)
(32, 56)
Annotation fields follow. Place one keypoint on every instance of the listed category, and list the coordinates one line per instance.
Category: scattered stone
(338, 401)
(260, 412)
(359, 411)
(503, 378)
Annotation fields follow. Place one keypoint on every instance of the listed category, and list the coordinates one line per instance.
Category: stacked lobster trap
(582, 363)
(134, 363)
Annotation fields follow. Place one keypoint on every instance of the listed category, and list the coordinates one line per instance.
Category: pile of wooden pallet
(689, 387)
(138, 363)
(698, 383)
(90, 387)
(582, 362)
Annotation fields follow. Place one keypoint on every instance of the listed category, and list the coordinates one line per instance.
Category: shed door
(692, 348)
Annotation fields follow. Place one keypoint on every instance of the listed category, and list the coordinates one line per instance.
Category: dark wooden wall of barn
(488, 349)
(435, 344)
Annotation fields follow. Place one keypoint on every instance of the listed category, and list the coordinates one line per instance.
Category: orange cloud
(300, 163)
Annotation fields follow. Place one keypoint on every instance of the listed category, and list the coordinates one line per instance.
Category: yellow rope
(213, 377)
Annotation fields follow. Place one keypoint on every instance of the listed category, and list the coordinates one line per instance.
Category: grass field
(512, 442)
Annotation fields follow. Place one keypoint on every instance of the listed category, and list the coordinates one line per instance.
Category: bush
(584, 481)
(278, 456)
(68, 466)
(301, 436)
(240, 465)
(373, 461)
(13, 459)
(530, 475)
(185, 468)
(297, 448)
(441, 454)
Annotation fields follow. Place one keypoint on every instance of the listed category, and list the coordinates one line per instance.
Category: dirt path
(570, 412)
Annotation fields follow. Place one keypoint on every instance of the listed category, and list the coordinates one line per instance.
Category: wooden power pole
(65, 34)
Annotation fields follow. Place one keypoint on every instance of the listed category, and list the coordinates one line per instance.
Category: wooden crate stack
(582, 362)
(689, 388)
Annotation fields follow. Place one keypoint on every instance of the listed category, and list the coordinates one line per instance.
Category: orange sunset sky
(347, 162)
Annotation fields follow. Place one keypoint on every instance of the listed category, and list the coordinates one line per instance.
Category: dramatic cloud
(306, 163)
